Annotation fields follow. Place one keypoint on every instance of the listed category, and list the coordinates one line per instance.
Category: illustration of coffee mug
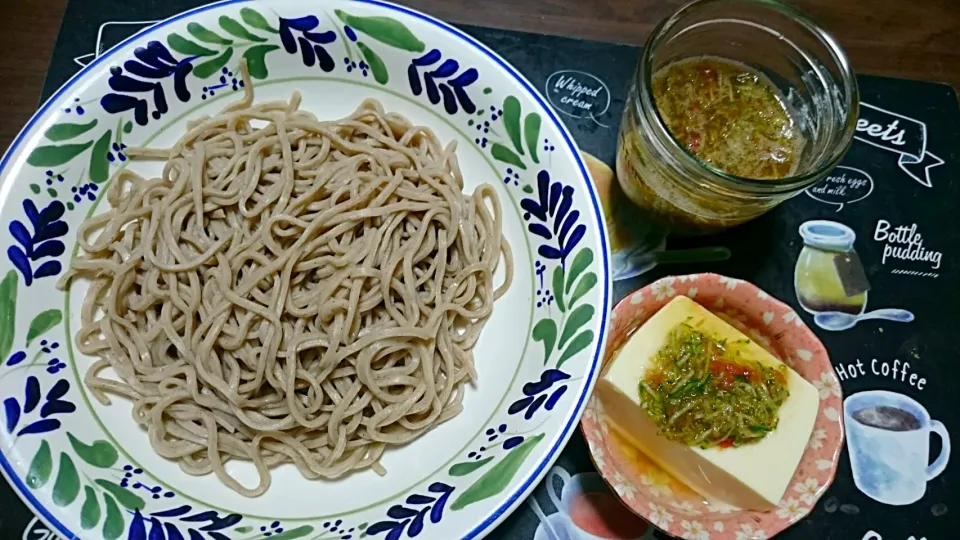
(888, 438)
(587, 510)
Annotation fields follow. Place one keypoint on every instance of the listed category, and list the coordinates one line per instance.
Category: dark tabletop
(917, 39)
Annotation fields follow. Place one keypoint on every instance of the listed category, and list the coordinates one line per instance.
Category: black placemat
(897, 190)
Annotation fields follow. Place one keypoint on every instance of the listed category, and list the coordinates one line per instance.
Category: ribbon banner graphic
(900, 134)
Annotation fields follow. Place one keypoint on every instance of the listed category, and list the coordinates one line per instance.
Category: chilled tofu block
(753, 476)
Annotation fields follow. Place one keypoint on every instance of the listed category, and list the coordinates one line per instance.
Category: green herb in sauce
(701, 392)
(729, 116)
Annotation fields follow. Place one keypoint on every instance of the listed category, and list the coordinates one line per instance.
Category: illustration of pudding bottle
(829, 276)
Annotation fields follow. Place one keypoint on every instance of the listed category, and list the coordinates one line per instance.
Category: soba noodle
(290, 289)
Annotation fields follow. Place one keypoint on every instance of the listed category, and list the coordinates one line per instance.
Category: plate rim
(510, 501)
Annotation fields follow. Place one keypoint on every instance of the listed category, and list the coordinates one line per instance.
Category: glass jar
(829, 276)
(806, 65)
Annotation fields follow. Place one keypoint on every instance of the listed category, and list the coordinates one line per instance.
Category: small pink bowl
(670, 505)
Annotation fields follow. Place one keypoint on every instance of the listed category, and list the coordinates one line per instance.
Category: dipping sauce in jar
(737, 105)
(728, 116)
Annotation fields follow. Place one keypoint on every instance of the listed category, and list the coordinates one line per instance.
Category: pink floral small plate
(655, 495)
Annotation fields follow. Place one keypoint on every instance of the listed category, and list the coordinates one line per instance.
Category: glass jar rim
(789, 184)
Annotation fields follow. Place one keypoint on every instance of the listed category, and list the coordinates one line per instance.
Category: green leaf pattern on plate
(8, 313)
(40, 466)
(531, 134)
(124, 496)
(254, 19)
(545, 332)
(114, 523)
(207, 69)
(572, 317)
(506, 155)
(64, 131)
(583, 287)
(377, 67)
(580, 263)
(55, 155)
(579, 343)
(99, 166)
(558, 274)
(184, 46)
(466, 467)
(256, 60)
(290, 534)
(100, 454)
(206, 35)
(42, 323)
(577, 319)
(69, 481)
(90, 511)
(528, 134)
(385, 30)
(67, 486)
(234, 28)
(511, 121)
(498, 477)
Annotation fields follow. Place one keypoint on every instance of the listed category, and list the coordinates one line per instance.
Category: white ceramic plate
(89, 472)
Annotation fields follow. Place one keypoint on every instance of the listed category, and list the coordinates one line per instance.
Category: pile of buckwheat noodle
(290, 289)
